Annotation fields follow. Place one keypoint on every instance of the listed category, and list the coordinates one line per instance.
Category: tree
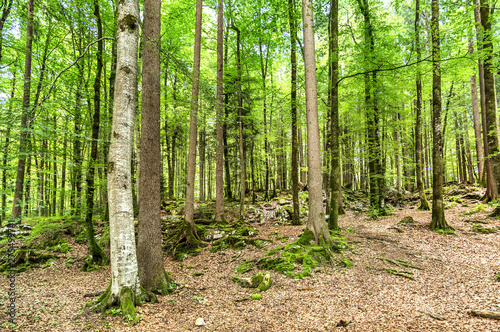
(219, 182)
(424, 205)
(293, 96)
(438, 222)
(23, 142)
(96, 255)
(490, 99)
(333, 222)
(316, 222)
(125, 287)
(189, 227)
(149, 238)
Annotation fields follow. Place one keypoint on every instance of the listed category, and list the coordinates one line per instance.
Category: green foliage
(497, 276)
(103, 238)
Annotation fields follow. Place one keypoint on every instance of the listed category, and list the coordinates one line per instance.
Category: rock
(407, 220)
(200, 322)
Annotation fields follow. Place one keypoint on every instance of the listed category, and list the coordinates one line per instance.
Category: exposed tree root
(127, 301)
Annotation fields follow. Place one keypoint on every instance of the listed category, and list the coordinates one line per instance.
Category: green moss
(127, 305)
(245, 267)
(475, 209)
(497, 276)
(198, 274)
(256, 297)
(480, 229)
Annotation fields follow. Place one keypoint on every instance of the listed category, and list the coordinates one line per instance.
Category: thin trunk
(191, 234)
(295, 153)
(62, 194)
(424, 205)
(219, 182)
(23, 142)
(477, 120)
(6, 153)
(333, 223)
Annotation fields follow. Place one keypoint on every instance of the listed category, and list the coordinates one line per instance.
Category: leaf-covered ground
(403, 278)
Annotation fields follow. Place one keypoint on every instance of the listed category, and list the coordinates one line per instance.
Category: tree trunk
(490, 101)
(424, 205)
(219, 181)
(293, 94)
(149, 236)
(316, 221)
(333, 221)
(23, 142)
(477, 120)
(125, 288)
(438, 221)
(6, 6)
(95, 254)
(189, 210)
(6, 153)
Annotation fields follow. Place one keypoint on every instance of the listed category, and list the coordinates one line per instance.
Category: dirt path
(456, 276)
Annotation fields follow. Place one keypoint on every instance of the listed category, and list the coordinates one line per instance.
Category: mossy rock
(24, 258)
(262, 281)
(407, 220)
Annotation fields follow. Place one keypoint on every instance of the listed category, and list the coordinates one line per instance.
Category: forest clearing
(452, 275)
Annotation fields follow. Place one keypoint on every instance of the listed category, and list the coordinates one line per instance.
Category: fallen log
(486, 314)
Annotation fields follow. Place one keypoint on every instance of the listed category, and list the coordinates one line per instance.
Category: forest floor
(456, 275)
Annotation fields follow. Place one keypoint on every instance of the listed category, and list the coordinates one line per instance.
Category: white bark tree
(125, 288)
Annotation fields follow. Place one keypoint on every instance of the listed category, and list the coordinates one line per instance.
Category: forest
(249, 165)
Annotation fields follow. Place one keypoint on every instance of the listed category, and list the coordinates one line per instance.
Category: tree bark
(490, 100)
(125, 288)
(438, 220)
(477, 120)
(424, 205)
(333, 221)
(149, 236)
(316, 221)
(23, 142)
(293, 97)
(219, 181)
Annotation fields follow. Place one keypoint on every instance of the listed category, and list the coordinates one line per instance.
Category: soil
(452, 275)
